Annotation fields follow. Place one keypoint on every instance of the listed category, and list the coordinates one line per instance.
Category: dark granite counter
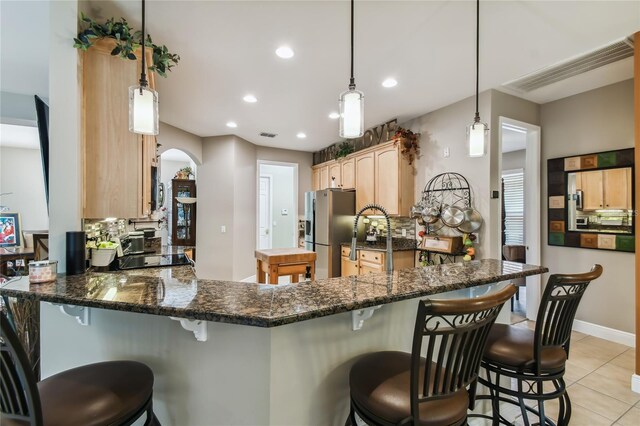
(175, 292)
(397, 244)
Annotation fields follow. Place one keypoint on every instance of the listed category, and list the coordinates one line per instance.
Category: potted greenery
(409, 144)
(344, 149)
(127, 41)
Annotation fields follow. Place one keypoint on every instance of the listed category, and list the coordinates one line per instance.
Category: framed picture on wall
(10, 230)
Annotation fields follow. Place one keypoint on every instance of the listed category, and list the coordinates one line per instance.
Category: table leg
(260, 275)
(295, 278)
(273, 274)
(313, 271)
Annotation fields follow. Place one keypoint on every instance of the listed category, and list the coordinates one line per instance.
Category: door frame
(260, 163)
(269, 209)
(532, 205)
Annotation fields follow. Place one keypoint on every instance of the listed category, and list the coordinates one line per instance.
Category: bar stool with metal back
(535, 358)
(398, 388)
(105, 393)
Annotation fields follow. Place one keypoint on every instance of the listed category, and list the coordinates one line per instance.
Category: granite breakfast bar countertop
(397, 244)
(176, 292)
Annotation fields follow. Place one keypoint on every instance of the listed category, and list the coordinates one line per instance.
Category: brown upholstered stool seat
(380, 384)
(513, 346)
(106, 393)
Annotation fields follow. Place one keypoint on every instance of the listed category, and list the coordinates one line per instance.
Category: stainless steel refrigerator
(328, 218)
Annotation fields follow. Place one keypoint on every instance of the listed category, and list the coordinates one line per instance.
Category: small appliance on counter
(582, 222)
(136, 239)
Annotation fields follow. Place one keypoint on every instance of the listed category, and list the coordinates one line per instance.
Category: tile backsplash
(400, 223)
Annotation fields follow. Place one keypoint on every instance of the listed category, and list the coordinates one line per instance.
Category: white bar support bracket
(358, 317)
(82, 314)
(198, 327)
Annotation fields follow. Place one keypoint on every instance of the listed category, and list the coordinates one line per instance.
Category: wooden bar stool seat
(398, 388)
(282, 262)
(105, 393)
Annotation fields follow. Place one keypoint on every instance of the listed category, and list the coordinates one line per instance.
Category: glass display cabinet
(183, 212)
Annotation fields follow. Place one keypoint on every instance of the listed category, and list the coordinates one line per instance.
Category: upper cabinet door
(112, 157)
(365, 180)
(324, 177)
(315, 179)
(335, 174)
(593, 197)
(617, 188)
(348, 174)
(387, 181)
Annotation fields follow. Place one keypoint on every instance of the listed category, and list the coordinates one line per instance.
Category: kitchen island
(251, 354)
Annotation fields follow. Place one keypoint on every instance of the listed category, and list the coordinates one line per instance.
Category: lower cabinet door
(348, 267)
(370, 268)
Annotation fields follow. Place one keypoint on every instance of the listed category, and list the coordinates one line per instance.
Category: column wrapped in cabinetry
(116, 162)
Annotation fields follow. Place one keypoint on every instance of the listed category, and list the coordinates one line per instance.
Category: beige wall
(227, 196)
(594, 121)
(21, 174)
(171, 137)
(446, 128)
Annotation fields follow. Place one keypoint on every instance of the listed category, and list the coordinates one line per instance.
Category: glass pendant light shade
(477, 137)
(143, 110)
(351, 114)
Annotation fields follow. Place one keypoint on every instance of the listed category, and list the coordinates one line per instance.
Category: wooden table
(289, 261)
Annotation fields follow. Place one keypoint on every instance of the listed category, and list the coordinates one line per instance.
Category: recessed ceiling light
(250, 98)
(232, 124)
(285, 52)
(390, 82)
(301, 135)
(334, 115)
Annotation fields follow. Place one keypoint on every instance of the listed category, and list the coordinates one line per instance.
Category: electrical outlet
(404, 232)
(446, 152)
(223, 229)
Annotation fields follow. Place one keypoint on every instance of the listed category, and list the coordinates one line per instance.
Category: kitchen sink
(152, 261)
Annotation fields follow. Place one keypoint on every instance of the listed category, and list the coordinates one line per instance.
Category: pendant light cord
(143, 75)
(477, 117)
(352, 82)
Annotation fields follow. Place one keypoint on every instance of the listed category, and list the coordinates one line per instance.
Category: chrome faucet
(389, 260)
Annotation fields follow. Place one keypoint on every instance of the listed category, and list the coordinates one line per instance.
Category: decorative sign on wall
(591, 202)
(374, 136)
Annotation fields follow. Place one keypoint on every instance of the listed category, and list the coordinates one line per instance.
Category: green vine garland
(127, 41)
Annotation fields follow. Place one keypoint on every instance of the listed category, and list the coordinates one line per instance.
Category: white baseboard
(251, 279)
(606, 333)
(635, 383)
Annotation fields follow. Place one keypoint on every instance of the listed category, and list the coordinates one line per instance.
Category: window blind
(514, 207)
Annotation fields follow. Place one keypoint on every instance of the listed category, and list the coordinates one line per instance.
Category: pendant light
(143, 101)
(477, 132)
(351, 103)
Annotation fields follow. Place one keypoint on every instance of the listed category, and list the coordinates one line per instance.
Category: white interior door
(264, 214)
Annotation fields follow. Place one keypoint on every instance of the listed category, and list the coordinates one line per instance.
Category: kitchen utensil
(472, 221)
(416, 211)
(430, 214)
(452, 216)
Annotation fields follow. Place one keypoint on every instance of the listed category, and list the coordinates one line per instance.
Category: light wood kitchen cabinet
(116, 163)
(348, 174)
(374, 261)
(605, 189)
(335, 174)
(324, 177)
(315, 179)
(617, 188)
(365, 180)
(387, 183)
(592, 190)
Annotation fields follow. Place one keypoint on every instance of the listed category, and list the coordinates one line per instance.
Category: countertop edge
(258, 321)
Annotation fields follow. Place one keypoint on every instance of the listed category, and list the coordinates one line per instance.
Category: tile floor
(598, 377)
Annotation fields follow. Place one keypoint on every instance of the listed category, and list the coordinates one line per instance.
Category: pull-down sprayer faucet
(389, 259)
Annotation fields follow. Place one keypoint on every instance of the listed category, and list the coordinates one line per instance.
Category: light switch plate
(284, 212)
(223, 229)
(446, 153)
(404, 232)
